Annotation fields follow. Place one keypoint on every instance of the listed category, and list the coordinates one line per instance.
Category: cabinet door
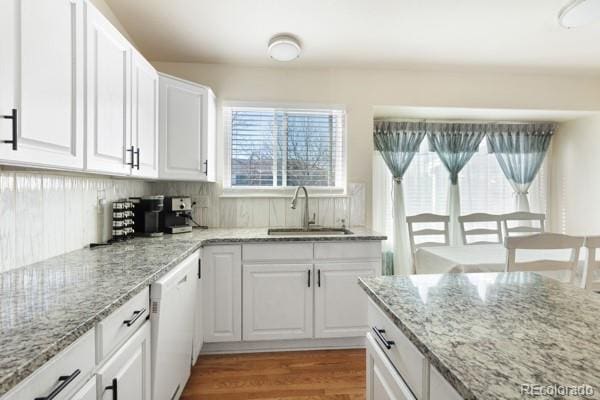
(182, 119)
(278, 301)
(340, 304)
(87, 392)
(144, 113)
(383, 381)
(108, 56)
(222, 279)
(41, 67)
(439, 388)
(198, 315)
(127, 372)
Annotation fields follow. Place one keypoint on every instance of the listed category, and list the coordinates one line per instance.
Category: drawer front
(69, 369)
(121, 324)
(405, 357)
(347, 250)
(277, 252)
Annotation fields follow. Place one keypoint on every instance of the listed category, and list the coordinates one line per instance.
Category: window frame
(283, 191)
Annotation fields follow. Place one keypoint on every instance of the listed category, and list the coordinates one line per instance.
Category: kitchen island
(488, 335)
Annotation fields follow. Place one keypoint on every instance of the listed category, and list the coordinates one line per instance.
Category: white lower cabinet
(126, 375)
(383, 382)
(340, 304)
(87, 392)
(198, 314)
(278, 301)
(439, 388)
(222, 286)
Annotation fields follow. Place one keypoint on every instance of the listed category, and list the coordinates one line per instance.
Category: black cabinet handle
(64, 382)
(13, 116)
(309, 278)
(137, 153)
(136, 315)
(205, 167)
(319, 277)
(199, 268)
(131, 150)
(113, 387)
(379, 333)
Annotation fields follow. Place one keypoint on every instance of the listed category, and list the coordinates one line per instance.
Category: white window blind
(277, 148)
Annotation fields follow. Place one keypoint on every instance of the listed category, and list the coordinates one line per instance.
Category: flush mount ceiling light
(284, 48)
(579, 13)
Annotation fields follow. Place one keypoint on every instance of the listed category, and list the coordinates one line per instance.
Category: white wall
(576, 177)
(362, 89)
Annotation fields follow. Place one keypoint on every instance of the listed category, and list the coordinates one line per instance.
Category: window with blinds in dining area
(284, 147)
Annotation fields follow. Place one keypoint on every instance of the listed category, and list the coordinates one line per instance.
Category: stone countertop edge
(414, 339)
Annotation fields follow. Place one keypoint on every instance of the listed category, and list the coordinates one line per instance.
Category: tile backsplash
(44, 214)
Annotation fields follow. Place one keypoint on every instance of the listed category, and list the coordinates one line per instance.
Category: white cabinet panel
(340, 303)
(128, 372)
(198, 315)
(266, 252)
(144, 112)
(185, 126)
(439, 388)
(42, 76)
(383, 382)
(87, 392)
(278, 301)
(108, 56)
(222, 278)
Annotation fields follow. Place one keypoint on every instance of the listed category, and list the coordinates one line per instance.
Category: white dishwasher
(172, 318)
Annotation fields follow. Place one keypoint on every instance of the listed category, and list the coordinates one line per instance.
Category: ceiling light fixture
(579, 13)
(284, 48)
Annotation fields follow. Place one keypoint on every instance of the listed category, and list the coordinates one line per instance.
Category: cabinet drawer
(69, 369)
(405, 357)
(121, 324)
(277, 251)
(347, 250)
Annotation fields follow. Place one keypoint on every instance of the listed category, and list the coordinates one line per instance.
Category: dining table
(485, 258)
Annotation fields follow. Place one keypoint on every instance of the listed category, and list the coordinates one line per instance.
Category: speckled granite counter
(490, 333)
(46, 306)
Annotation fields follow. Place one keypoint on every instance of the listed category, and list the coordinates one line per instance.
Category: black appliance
(147, 211)
(177, 214)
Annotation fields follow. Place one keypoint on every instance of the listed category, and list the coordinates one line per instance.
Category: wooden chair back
(544, 241)
(519, 229)
(481, 219)
(420, 219)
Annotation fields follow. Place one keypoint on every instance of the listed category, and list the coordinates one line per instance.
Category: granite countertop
(490, 333)
(48, 305)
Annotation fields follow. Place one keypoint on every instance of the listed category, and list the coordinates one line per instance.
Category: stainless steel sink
(317, 231)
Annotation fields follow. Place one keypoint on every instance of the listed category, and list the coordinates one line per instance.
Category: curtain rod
(459, 121)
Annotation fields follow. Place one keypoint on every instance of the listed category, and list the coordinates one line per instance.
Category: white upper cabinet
(41, 75)
(187, 124)
(108, 57)
(144, 113)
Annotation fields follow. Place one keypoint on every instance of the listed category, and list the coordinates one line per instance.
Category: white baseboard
(283, 345)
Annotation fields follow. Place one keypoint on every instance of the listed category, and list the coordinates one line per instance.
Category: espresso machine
(147, 210)
(176, 216)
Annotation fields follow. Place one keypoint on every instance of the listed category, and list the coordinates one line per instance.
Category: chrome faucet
(306, 222)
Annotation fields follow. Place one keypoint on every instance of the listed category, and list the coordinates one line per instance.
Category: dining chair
(589, 281)
(484, 221)
(544, 241)
(520, 229)
(427, 220)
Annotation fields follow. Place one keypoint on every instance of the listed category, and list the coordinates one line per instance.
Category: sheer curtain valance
(520, 150)
(398, 142)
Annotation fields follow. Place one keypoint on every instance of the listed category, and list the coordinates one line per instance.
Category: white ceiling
(476, 114)
(515, 34)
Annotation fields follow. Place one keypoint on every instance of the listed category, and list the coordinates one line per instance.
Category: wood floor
(300, 375)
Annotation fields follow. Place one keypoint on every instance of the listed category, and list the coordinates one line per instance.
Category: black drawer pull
(114, 389)
(319, 278)
(64, 382)
(309, 278)
(379, 333)
(13, 116)
(137, 153)
(136, 315)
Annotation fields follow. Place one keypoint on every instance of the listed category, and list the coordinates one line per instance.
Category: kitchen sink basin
(320, 231)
